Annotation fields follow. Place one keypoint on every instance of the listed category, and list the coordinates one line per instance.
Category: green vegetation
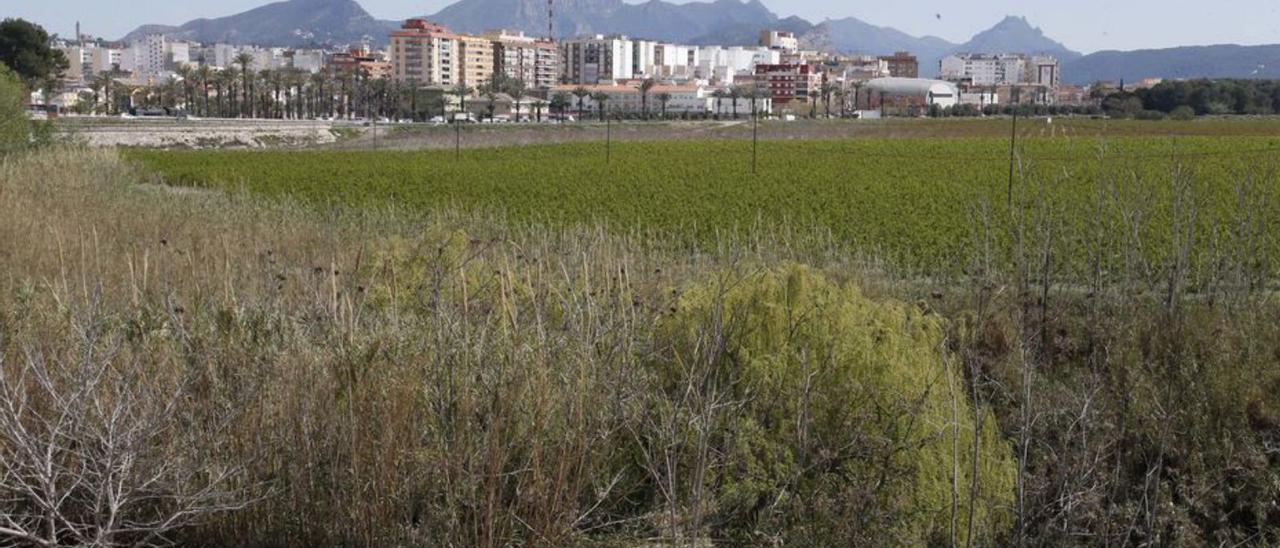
(15, 130)
(926, 205)
(529, 346)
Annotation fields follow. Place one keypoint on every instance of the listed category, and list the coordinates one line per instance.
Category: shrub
(14, 128)
(843, 415)
(1183, 113)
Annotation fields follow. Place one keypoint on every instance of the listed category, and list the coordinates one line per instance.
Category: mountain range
(303, 23)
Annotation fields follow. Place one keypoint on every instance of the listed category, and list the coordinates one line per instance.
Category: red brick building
(788, 83)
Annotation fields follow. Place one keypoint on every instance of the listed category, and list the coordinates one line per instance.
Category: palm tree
(104, 82)
(646, 85)
(560, 101)
(318, 100)
(839, 93)
(517, 89)
(827, 89)
(719, 96)
(600, 98)
(490, 97)
(187, 75)
(462, 91)
(663, 98)
(204, 73)
(244, 59)
(752, 94)
(735, 93)
(581, 93)
(813, 102)
(538, 105)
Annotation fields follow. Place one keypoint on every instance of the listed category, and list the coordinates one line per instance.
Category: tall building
(477, 60)
(536, 62)
(431, 54)
(787, 83)
(598, 58)
(902, 65)
(984, 69)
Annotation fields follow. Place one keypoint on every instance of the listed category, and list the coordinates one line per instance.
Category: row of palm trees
(242, 92)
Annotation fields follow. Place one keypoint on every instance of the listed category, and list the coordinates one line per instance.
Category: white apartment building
(147, 58)
(598, 59)
(780, 40)
(1000, 69)
(80, 67)
(721, 64)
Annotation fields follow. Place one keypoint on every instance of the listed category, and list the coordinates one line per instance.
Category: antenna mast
(551, 20)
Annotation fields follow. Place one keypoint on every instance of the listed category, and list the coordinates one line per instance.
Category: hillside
(289, 23)
(1222, 61)
(655, 19)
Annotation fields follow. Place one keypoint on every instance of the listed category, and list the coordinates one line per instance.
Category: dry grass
(386, 378)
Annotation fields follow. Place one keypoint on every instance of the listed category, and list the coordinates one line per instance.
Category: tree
(462, 91)
(244, 60)
(600, 98)
(204, 74)
(14, 130)
(24, 48)
(517, 89)
(663, 98)
(581, 93)
(719, 95)
(560, 102)
(827, 90)
(645, 87)
(734, 94)
(813, 103)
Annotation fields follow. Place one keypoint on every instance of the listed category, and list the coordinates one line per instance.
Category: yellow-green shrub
(841, 422)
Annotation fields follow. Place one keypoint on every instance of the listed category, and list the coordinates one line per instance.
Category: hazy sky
(1084, 25)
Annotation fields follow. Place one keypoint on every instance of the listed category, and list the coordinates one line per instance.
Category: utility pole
(1013, 142)
(755, 135)
(608, 139)
(551, 20)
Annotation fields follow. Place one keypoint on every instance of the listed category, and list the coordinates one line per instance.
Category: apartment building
(1000, 69)
(902, 65)
(788, 83)
(430, 54)
(426, 53)
(779, 40)
(598, 58)
(536, 62)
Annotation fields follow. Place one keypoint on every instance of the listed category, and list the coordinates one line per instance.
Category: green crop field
(926, 204)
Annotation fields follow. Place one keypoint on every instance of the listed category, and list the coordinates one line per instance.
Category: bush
(15, 131)
(1149, 115)
(843, 416)
(1183, 113)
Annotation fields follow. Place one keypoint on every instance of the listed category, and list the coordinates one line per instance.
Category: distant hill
(1224, 61)
(1011, 35)
(855, 36)
(748, 34)
(1015, 34)
(655, 19)
(292, 23)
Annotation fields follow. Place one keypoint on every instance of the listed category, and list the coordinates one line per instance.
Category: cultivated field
(927, 205)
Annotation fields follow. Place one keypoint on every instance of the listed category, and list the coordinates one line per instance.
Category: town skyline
(1125, 26)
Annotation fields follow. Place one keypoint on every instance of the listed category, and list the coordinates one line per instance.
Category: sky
(1083, 25)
